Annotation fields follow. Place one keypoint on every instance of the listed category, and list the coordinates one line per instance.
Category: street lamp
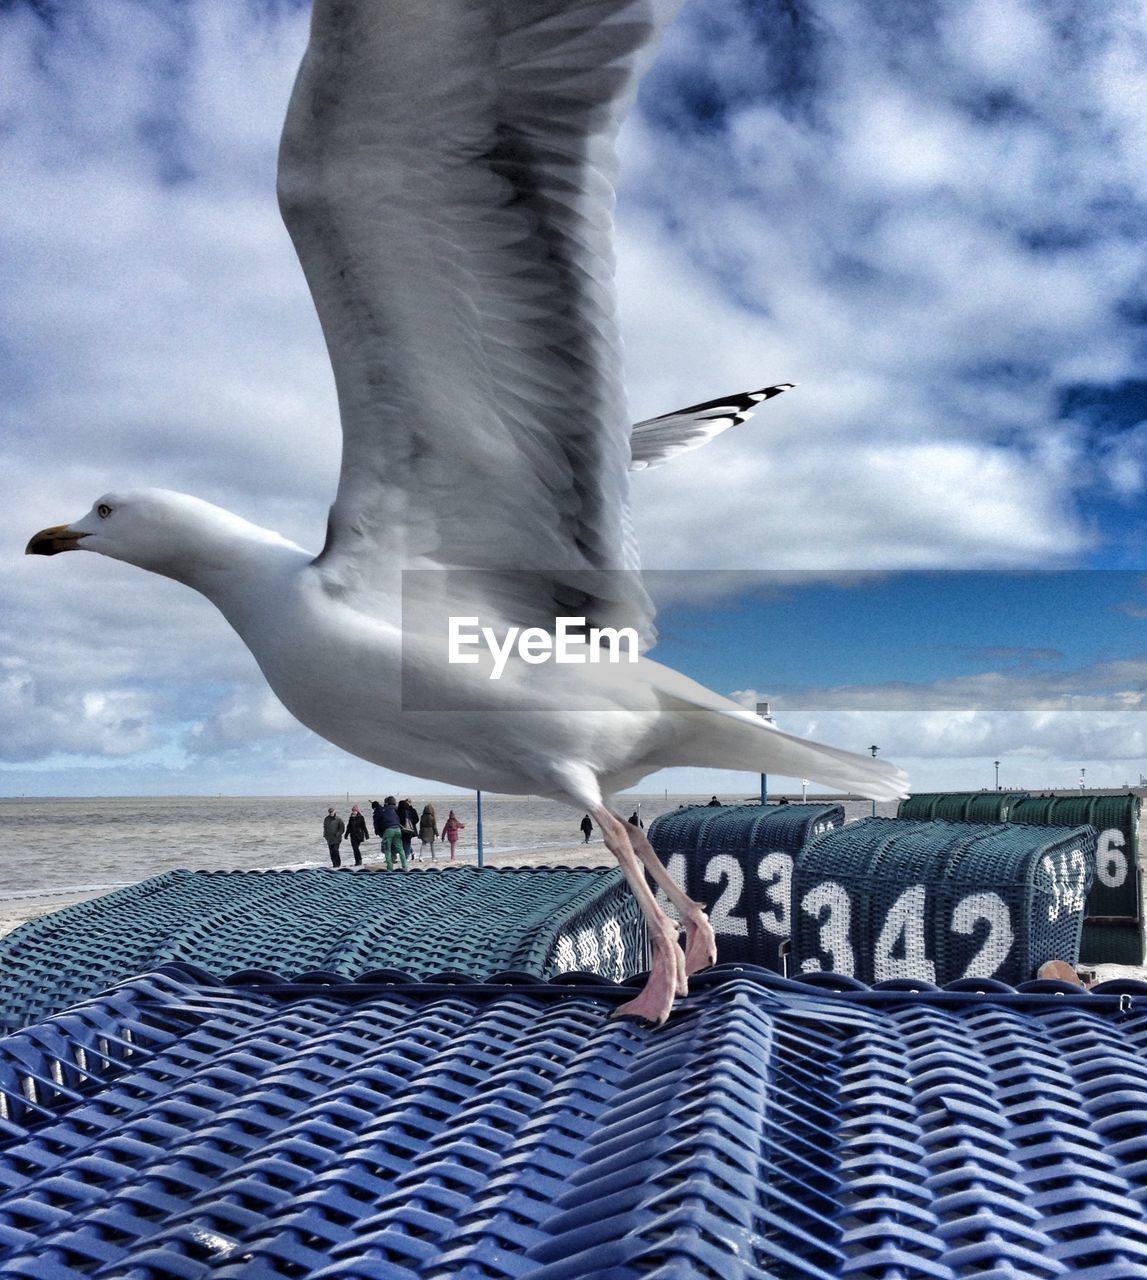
(997, 764)
(874, 749)
(767, 716)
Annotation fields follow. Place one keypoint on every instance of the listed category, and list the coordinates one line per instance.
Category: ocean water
(50, 845)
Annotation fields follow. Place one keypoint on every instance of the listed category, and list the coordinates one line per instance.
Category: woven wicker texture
(888, 898)
(177, 1128)
(540, 921)
(961, 806)
(1114, 934)
(738, 860)
(1112, 928)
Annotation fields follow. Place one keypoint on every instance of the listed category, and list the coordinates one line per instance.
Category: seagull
(446, 176)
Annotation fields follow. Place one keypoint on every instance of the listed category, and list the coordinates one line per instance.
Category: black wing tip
(767, 393)
(730, 406)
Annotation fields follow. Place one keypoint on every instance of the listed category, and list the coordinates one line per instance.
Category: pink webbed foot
(653, 1005)
(667, 980)
(700, 942)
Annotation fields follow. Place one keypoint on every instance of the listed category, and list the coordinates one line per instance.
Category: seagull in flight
(446, 174)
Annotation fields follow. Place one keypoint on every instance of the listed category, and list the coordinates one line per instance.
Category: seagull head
(165, 532)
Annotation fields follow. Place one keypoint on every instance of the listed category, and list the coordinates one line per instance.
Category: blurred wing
(656, 440)
(445, 173)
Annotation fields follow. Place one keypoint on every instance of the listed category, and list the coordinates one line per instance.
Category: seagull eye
(103, 511)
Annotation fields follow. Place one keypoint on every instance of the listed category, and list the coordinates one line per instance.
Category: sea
(61, 845)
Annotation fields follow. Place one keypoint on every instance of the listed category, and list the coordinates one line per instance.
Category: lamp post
(874, 749)
(481, 858)
(767, 716)
(997, 764)
(1082, 772)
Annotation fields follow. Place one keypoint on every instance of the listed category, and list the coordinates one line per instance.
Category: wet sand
(14, 913)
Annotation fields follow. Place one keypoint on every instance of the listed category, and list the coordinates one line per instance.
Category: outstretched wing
(446, 174)
(656, 440)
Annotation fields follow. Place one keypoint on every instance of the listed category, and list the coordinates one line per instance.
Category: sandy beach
(15, 912)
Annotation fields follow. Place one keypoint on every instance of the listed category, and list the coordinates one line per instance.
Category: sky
(930, 216)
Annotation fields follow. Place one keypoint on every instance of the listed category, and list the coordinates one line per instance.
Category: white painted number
(904, 930)
(1111, 859)
(1067, 872)
(992, 908)
(676, 868)
(580, 953)
(725, 866)
(776, 876)
(828, 904)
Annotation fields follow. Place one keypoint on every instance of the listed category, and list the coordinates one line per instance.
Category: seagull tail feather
(720, 735)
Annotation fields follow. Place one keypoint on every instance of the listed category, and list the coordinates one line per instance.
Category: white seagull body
(445, 173)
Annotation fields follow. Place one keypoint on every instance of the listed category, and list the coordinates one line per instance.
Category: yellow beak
(50, 542)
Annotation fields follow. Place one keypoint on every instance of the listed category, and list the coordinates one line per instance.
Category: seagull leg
(700, 944)
(667, 977)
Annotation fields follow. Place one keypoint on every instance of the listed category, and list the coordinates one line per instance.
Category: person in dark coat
(356, 832)
(376, 820)
(428, 829)
(635, 820)
(333, 828)
(408, 823)
(714, 803)
(586, 827)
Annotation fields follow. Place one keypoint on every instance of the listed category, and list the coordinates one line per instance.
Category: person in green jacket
(392, 834)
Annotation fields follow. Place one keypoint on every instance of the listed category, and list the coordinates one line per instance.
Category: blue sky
(931, 216)
(947, 671)
(914, 627)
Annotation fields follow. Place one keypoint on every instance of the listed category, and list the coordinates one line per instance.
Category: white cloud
(854, 507)
(243, 719)
(933, 248)
(1045, 726)
(45, 721)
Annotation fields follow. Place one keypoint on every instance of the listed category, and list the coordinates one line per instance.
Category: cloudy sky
(931, 216)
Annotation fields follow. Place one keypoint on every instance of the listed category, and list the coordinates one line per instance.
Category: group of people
(396, 823)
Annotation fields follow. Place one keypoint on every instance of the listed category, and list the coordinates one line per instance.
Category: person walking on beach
(376, 821)
(450, 830)
(635, 820)
(392, 834)
(586, 827)
(428, 828)
(333, 828)
(356, 832)
(408, 821)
